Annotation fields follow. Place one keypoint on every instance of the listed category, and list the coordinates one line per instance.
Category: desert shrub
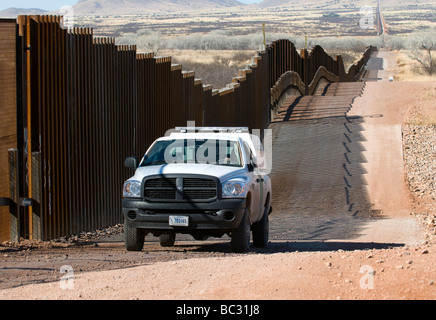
(146, 40)
(394, 42)
(216, 40)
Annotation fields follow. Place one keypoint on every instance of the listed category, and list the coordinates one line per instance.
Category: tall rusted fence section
(8, 124)
(90, 104)
(74, 106)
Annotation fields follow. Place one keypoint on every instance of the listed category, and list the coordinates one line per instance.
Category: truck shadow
(296, 246)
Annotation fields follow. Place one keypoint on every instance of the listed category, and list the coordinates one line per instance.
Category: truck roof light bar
(213, 129)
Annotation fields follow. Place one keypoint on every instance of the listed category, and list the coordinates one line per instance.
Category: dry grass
(422, 111)
(420, 114)
(410, 70)
(349, 57)
(214, 67)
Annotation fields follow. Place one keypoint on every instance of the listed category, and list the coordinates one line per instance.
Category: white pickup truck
(206, 182)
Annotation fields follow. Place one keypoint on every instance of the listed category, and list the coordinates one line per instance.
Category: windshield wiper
(154, 163)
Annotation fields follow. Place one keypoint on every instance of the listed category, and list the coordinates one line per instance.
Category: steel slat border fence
(84, 104)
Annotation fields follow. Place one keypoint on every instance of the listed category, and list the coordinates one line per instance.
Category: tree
(422, 51)
(151, 41)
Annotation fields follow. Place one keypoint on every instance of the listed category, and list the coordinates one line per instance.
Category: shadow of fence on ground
(320, 190)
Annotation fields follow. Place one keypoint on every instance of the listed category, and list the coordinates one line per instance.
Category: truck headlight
(235, 188)
(132, 189)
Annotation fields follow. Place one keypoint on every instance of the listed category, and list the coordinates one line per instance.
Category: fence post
(15, 223)
(305, 56)
(341, 68)
(36, 197)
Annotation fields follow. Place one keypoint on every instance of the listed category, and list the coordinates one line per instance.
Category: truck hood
(221, 172)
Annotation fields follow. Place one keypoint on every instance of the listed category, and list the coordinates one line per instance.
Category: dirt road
(341, 229)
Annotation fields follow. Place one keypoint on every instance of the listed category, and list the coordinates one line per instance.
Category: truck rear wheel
(133, 237)
(167, 239)
(241, 236)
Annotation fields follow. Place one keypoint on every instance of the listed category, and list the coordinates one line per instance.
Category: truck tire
(260, 231)
(133, 237)
(167, 239)
(241, 236)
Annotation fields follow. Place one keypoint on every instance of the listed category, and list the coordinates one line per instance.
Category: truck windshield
(218, 152)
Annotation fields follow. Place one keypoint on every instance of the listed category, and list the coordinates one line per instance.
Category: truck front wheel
(133, 237)
(241, 236)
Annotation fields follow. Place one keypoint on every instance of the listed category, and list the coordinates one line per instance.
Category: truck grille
(180, 189)
(160, 189)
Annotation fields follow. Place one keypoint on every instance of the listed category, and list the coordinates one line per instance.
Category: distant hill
(14, 12)
(125, 7)
(274, 3)
(314, 3)
(331, 4)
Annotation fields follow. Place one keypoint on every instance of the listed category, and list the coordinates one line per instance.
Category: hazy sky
(54, 4)
(41, 4)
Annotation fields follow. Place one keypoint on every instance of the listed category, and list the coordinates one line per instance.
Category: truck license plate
(178, 221)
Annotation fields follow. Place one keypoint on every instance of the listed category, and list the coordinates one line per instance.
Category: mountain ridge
(129, 7)
(14, 12)
(111, 7)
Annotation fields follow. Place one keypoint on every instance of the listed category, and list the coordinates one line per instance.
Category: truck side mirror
(131, 162)
(254, 162)
(252, 165)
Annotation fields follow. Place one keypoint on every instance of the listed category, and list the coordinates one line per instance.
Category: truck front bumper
(221, 215)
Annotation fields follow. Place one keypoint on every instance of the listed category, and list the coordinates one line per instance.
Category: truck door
(256, 186)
